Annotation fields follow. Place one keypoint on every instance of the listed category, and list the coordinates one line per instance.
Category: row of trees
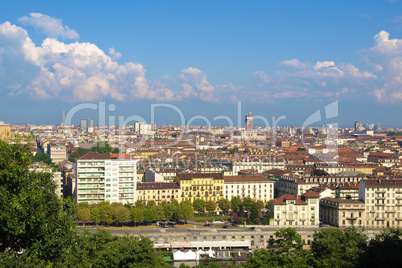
(137, 213)
(245, 209)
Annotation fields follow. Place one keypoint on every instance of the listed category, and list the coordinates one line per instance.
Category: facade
(206, 186)
(158, 191)
(296, 210)
(106, 177)
(383, 199)
(256, 186)
(57, 152)
(259, 164)
(342, 212)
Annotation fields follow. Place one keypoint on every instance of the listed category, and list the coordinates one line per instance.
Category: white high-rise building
(106, 177)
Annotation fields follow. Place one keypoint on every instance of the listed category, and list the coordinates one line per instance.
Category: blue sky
(277, 58)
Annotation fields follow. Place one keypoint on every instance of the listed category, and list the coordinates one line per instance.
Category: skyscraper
(249, 122)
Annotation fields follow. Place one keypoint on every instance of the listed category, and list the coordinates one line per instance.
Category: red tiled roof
(94, 155)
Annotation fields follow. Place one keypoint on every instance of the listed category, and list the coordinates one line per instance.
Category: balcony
(381, 204)
(351, 218)
(380, 197)
(379, 219)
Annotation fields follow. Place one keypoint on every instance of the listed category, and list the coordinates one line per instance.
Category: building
(257, 163)
(206, 186)
(106, 177)
(158, 191)
(87, 125)
(255, 186)
(249, 122)
(296, 210)
(57, 152)
(383, 200)
(342, 212)
(5, 131)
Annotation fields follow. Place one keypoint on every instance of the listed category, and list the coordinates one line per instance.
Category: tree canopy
(32, 218)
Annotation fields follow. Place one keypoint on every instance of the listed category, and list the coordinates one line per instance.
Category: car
(208, 225)
(235, 225)
(252, 228)
(225, 226)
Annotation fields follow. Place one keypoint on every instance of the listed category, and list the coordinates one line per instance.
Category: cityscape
(117, 149)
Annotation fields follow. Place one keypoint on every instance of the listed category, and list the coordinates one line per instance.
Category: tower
(249, 122)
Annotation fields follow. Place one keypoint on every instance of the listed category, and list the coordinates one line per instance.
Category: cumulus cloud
(261, 77)
(49, 26)
(114, 54)
(194, 82)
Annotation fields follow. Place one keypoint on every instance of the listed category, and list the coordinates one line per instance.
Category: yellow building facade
(206, 186)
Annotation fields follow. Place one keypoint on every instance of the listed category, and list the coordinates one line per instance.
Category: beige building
(383, 199)
(57, 152)
(342, 212)
(158, 191)
(296, 210)
(256, 186)
(206, 186)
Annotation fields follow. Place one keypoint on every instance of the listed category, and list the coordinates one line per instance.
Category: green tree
(260, 205)
(122, 215)
(340, 247)
(289, 252)
(31, 214)
(384, 250)
(103, 147)
(42, 157)
(210, 206)
(186, 203)
(139, 204)
(95, 215)
(84, 215)
(248, 203)
(199, 205)
(102, 249)
(254, 213)
(151, 204)
(105, 212)
(235, 203)
(150, 215)
(168, 211)
(174, 202)
(77, 154)
(224, 205)
(184, 213)
(137, 215)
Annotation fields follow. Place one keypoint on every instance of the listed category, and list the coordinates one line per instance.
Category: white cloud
(194, 82)
(114, 54)
(261, 77)
(49, 26)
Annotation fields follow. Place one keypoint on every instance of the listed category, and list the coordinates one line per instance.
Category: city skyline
(277, 59)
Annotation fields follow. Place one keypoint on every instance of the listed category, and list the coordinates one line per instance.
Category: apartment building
(106, 177)
(57, 152)
(383, 200)
(257, 163)
(364, 168)
(255, 186)
(342, 212)
(56, 176)
(296, 210)
(206, 186)
(158, 191)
